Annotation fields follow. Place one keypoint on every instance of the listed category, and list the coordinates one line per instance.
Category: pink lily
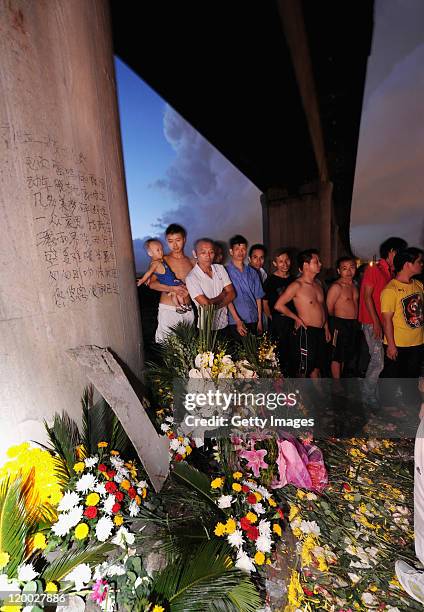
(255, 460)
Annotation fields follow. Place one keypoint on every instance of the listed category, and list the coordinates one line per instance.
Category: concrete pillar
(301, 222)
(66, 262)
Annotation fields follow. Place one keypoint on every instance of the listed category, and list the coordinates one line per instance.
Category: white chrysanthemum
(104, 528)
(117, 462)
(174, 444)
(225, 501)
(181, 450)
(164, 427)
(354, 578)
(170, 419)
(75, 516)
(134, 509)
(80, 575)
(100, 571)
(311, 496)
(244, 562)
(9, 585)
(69, 500)
(258, 508)
(236, 538)
(91, 461)
(264, 528)
(310, 527)
(61, 527)
(263, 491)
(100, 488)
(123, 537)
(26, 572)
(115, 570)
(108, 504)
(118, 478)
(368, 599)
(142, 484)
(86, 483)
(263, 543)
(194, 373)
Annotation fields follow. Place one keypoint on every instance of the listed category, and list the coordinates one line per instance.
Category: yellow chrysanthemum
(217, 483)
(158, 609)
(118, 520)
(42, 466)
(102, 445)
(277, 529)
(373, 588)
(144, 493)
(237, 475)
(259, 558)
(81, 531)
(51, 587)
(230, 526)
(79, 467)
(219, 529)
(307, 547)
(294, 511)
(137, 499)
(39, 541)
(295, 591)
(297, 532)
(236, 487)
(251, 516)
(258, 496)
(272, 502)
(125, 484)
(322, 563)
(114, 453)
(4, 559)
(92, 499)
(188, 450)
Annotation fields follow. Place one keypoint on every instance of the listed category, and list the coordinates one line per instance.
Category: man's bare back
(309, 302)
(342, 300)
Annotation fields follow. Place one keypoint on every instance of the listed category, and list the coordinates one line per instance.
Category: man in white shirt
(209, 283)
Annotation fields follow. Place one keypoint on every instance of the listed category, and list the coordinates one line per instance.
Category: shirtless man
(342, 306)
(310, 319)
(181, 265)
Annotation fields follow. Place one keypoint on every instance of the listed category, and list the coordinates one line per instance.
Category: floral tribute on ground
(80, 518)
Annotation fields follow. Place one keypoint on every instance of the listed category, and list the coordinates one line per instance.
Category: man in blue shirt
(245, 312)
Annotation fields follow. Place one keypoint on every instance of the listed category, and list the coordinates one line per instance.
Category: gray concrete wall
(66, 261)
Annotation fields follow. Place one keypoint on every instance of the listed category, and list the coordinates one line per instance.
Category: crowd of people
(318, 327)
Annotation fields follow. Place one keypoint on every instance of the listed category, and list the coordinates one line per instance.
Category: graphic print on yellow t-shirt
(405, 300)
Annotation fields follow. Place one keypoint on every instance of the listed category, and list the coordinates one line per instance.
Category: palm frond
(15, 522)
(195, 480)
(63, 565)
(206, 579)
(64, 436)
(207, 337)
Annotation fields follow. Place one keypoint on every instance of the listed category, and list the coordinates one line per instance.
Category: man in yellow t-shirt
(402, 312)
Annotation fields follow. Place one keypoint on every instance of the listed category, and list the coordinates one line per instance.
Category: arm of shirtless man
(287, 296)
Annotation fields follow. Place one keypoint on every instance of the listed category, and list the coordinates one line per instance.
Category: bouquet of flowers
(104, 490)
(254, 519)
(218, 365)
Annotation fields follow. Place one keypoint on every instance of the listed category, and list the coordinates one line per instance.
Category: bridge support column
(66, 262)
(302, 221)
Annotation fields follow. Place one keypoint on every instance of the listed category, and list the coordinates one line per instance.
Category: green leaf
(61, 567)
(64, 436)
(195, 480)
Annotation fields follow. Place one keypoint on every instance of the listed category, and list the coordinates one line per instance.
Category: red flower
(280, 512)
(171, 435)
(347, 487)
(245, 524)
(90, 512)
(307, 592)
(102, 467)
(251, 498)
(111, 487)
(252, 533)
(178, 457)
(132, 492)
(245, 489)
(111, 473)
(116, 508)
(119, 496)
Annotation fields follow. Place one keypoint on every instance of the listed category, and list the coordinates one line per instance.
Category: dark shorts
(344, 339)
(309, 351)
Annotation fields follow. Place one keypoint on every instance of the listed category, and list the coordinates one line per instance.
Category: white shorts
(168, 317)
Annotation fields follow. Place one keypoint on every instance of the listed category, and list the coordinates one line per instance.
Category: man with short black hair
(181, 265)
(257, 254)
(245, 312)
(374, 280)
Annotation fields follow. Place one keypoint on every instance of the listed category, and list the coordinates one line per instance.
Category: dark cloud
(213, 197)
(389, 181)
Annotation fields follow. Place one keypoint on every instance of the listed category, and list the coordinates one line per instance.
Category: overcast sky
(174, 174)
